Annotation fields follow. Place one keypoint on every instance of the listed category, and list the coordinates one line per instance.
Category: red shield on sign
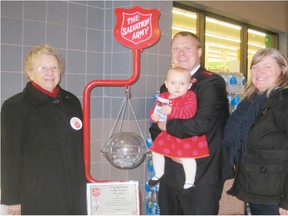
(137, 28)
(138, 32)
(95, 191)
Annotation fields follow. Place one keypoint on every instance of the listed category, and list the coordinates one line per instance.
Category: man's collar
(194, 70)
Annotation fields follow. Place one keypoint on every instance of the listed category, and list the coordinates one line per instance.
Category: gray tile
(96, 154)
(97, 89)
(124, 4)
(166, 7)
(120, 63)
(12, 9)
(96, 107)
(108, 40)
(62, 51)
(11, 58)
(107, 108)
(56, 35)
(108, 4)
(153, 5)
(165, 27)
(151, 88)
(75, 84)
(149, 104)
(63, 81)
(95, 40)
(95, 18)
(57, 12)
(77, 15)
(11, 31)
(117, 174)
(107, 64)
(110, 19)
(95, 63)
(76, 38)
(138, 105)
(143, 4)
(10, 84)
(138, 88)
(35, 10)
(138, 173)
(165, 49)
(79, 2)
(164, 65)
(34, 33)
(98, 4)
(154, 49)
(119, 47)
(152, 64)
(76, 61)
(26, 50)
(96, 130)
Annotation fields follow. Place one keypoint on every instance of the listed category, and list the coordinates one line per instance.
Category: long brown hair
(281, 60)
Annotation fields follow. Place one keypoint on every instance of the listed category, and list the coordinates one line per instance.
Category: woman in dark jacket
(41, 136)
(257, 136)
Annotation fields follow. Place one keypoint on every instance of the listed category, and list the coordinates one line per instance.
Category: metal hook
(127, 92)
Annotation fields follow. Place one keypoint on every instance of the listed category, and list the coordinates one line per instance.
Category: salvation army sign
(137, 28)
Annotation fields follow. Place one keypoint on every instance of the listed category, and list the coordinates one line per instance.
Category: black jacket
(42, 161)
(210, 118)
(263, 177)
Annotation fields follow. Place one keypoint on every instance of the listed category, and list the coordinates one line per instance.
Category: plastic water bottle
(234, 102)
(155, 206)
(233, 84)
(149, 141)
(148, 199)
(150, 169)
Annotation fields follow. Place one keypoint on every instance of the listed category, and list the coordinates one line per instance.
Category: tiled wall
(83, 32)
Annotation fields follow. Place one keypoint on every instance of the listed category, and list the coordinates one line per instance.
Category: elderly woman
(257, 136)
(41, 135)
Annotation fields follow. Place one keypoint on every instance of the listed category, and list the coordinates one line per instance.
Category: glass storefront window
(224, 50)
(222, 46)
(183, 21)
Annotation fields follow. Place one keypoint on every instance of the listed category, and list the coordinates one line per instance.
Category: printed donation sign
(137, 28)
(113, 198)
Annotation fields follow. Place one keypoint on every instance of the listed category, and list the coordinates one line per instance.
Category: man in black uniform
(212, 113)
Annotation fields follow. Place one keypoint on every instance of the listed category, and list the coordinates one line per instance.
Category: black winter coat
(42, 159)
(210, 118)
(263, 177)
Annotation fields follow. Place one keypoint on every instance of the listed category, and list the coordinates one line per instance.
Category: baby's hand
(166, 109)
(155, 117)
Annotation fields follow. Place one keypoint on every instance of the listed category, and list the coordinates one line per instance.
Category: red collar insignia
(194, 80)
(207, 73)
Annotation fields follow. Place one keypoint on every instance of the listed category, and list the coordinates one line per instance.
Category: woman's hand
(283, 211)
(162, 126)
(14, 209)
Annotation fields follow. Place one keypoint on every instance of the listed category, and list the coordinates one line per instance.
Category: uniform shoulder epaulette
(207, 73)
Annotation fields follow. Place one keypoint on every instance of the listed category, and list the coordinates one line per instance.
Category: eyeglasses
(44, 69)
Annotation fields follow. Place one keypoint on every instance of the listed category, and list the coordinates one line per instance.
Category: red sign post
(136, 28)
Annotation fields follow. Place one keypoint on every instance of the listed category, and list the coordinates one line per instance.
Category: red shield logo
(137, 28)
(138, 32)
(95, 191)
